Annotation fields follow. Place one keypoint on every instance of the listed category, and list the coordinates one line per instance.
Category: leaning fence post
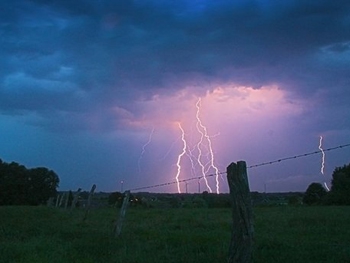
(89, 202)
(118, 226)
(241, 246)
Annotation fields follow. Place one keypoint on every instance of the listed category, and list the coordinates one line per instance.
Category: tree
(42, 184)
(13, 181)
(22, 186)
(314, 194)
(340, 190)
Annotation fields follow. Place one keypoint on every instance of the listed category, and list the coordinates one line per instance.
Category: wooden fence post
(67, 200)
(57, 200)
(89, 201)
(118, 226)
(62, 198)
(75, 199)
(241, 246)
(49, 202)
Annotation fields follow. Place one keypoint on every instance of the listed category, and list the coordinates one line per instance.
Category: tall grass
(282, 234)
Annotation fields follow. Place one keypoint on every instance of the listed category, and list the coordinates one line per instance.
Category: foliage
(314, 194)
(84, 195)
(22, 186)
(194, 202)
(294, 200)
(116, 199)
(217, 200)
(340, 191)
(175, 202)
(282, 234)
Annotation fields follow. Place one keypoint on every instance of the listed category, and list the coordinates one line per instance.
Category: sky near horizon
(100, 91)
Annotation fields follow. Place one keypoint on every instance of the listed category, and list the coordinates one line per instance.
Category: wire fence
(249, 167)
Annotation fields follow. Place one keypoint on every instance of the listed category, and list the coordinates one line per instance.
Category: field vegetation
(282, 234)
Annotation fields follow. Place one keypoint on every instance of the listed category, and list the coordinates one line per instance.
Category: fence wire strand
(251, 166)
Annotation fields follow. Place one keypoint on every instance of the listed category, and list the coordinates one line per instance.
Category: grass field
(282, 234)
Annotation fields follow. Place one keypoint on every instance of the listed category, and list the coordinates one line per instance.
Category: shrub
(314, 194)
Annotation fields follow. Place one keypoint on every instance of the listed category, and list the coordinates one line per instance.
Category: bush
(315, 194)
(115, 199)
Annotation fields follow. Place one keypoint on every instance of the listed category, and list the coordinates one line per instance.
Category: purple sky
(96, 90)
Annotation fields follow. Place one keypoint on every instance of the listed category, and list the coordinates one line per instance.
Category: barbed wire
(299, 156)
(175, 182)
(248, 167)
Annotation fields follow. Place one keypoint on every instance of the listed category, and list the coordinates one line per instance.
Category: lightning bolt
(200, 142)
(191, 157)
(178, 164)
(204, 135)
(170, 148)
(199, 153)
(144, 148)
(322, 161)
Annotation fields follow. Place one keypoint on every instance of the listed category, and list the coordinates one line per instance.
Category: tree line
(22, 186)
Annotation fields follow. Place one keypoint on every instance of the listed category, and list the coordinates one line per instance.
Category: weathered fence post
(57, 200)
(67, 200)
(241, 246)
(62, 198)
(75, 199)
(119, 223)
(89, 201)
(49, 202)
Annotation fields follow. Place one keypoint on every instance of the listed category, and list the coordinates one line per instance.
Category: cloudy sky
(104, 92)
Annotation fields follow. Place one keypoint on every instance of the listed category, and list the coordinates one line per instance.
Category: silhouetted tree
(13, 182)
(42, 185)
(314, 194)
(340, 190)
(20, 186)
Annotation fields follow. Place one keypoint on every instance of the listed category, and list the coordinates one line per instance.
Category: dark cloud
(117, 52)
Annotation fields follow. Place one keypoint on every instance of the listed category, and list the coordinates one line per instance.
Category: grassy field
(282, 234)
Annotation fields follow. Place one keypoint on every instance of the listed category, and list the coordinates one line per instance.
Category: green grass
(282, 234)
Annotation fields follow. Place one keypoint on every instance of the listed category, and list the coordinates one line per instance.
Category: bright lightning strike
(191, 158)
(199, 125)
(201, 153)
(322, 161)
(178, 164)
(144, 148)
(204, 134)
